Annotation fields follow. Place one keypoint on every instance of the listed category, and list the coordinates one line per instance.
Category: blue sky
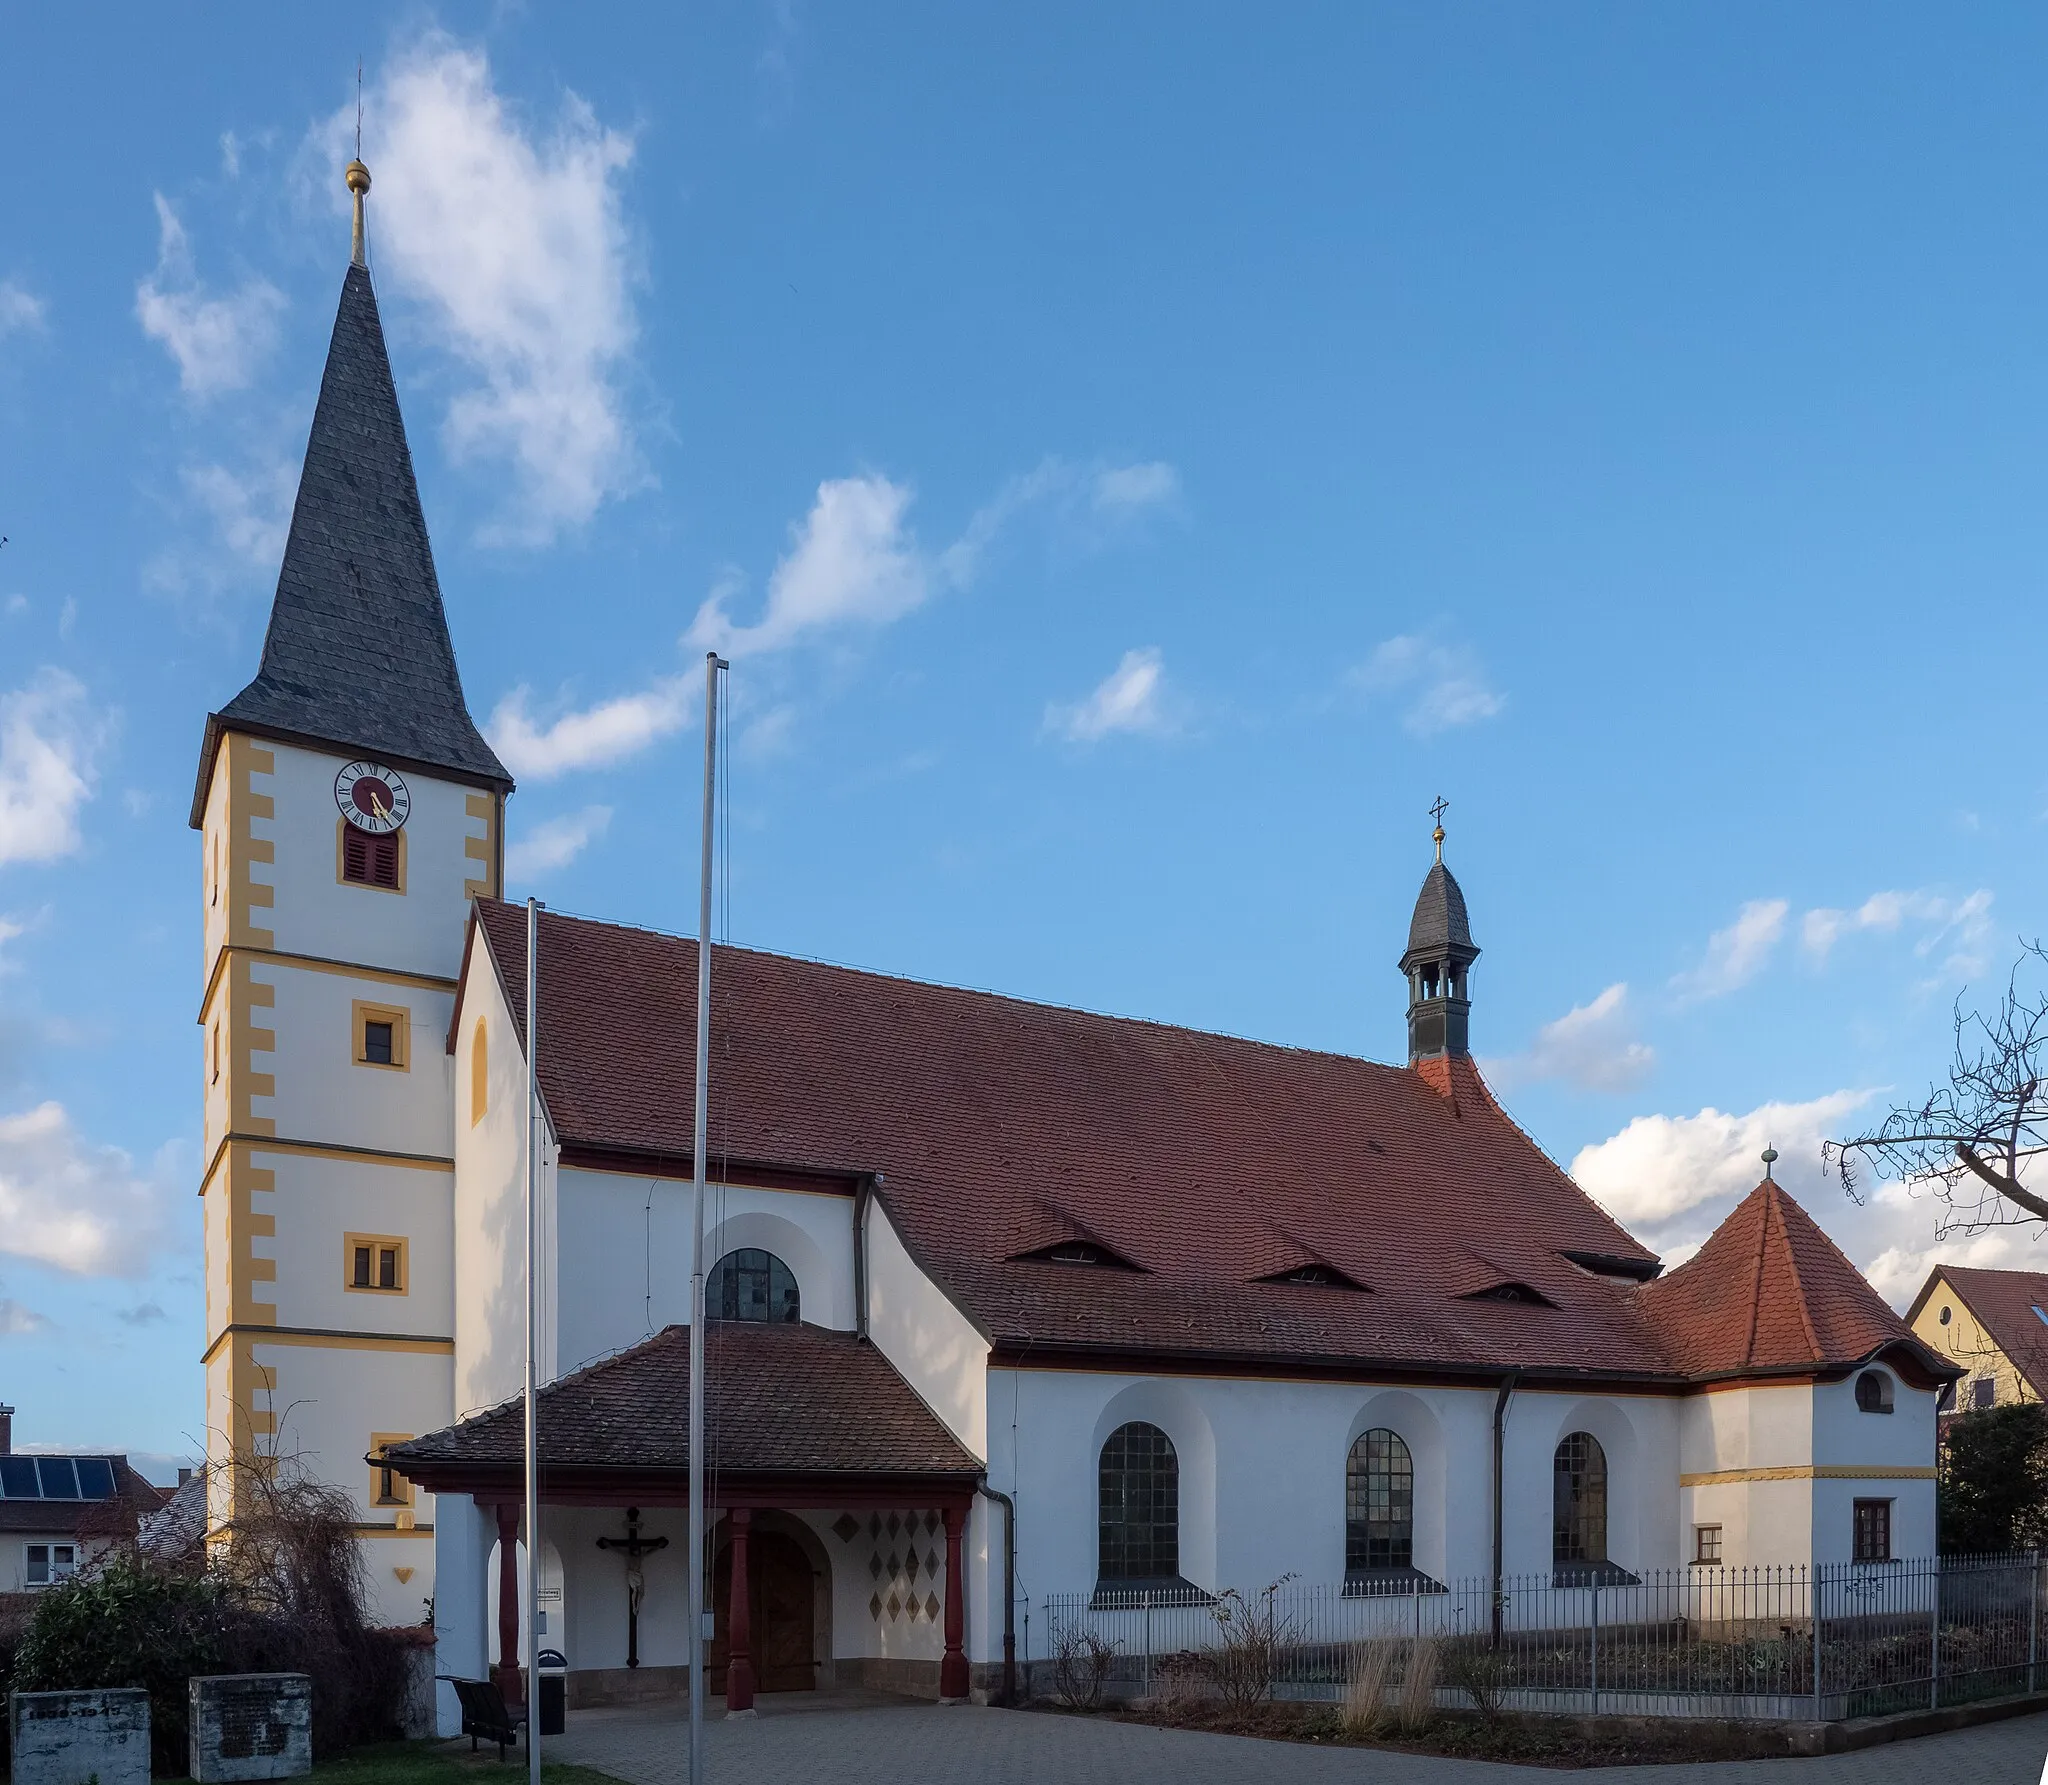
(1136, 458)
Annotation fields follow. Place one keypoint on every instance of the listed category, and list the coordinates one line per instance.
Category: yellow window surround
(387, 1486)
(374, 1264)
(382, 1035)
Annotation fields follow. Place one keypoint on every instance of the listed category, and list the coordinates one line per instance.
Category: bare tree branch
(1973, 1137)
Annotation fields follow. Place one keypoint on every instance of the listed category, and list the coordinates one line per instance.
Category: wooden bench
(485, 1713)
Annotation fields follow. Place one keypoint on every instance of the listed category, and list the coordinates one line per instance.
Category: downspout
(1500, 1426)
(863, 1194)
(1009, 1507)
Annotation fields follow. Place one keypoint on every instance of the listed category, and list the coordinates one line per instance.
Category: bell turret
(1437, 963)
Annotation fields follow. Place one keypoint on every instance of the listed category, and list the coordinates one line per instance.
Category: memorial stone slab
(251, 1726)
(76, 1738)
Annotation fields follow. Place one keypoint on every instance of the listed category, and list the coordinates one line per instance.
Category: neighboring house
(1993, 1325)
(56, 1512)
(1165, 1311)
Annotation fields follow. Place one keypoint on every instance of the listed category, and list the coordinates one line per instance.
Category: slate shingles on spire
(357, 654)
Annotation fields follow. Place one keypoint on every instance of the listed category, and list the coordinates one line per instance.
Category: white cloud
(218, 343)
(515, 240)
(15, 1319)
(1961, 926)
(556, 843)
(1124, 489)
(1593, 1046)
(68, 1203)
(609, 732)
(230, 154)
(1737, 954)
(1659, 1168)
(252, 510)
(851, 561)
(50, 741)
(1444, 687)
(19, 309)
(1129, 698)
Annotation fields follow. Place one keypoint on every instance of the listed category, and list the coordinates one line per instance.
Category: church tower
(350, 812)
(1436, 965)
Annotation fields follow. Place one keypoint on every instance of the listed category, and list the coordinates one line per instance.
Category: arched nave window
(1379, 1504)
(1140, 1506)
(1579, 1501)
(751, 1284)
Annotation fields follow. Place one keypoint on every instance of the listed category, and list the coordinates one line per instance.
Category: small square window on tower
(1873, 1531)
(375, 1262)
(387, 1486)
(382, 1035)
(373, 861)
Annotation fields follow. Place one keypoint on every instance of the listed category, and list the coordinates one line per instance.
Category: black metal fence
(1834, 1641)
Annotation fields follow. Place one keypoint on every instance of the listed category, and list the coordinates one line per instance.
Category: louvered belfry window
(369, 861)
(1140, 1506)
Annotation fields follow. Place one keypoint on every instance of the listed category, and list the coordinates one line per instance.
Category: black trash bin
(553, 1697)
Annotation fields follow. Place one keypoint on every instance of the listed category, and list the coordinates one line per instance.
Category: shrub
(1993, 1492)
(128, 1625)
(1418, 1682)
(1367, 1688)
(1250, 1636)
(1080, 1666)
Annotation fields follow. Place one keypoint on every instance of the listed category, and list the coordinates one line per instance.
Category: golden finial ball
(357, 176)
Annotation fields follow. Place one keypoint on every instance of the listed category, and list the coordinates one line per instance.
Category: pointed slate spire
(358, 656)
(1438, 957)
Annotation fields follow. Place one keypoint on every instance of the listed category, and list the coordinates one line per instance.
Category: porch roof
(794, 1403)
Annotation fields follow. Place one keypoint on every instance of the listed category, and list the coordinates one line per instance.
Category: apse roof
(1770, 1292)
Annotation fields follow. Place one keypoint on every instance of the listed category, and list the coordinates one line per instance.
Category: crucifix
(1437, 812)
(633, 1546)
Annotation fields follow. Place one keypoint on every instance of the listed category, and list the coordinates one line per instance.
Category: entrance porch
(837, 1509)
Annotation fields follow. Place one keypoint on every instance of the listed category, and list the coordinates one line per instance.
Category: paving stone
(845, 1741)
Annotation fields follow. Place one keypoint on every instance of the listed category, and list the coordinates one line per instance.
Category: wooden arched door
(784, 1614)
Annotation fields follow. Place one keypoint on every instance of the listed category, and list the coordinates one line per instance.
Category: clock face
(372, 797)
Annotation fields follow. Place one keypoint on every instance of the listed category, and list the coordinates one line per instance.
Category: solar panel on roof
(95, 1478)
(60, 1478)
(18, 1479)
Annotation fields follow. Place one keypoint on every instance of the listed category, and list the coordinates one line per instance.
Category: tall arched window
(751, 1284)
(1140, 1506)
(1579, 1501)
(1379, 1504)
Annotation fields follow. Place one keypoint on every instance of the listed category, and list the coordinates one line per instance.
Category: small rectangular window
(387, 1486)
(374, 1263)
(38, 1571)
(1706, 1545)
(383, 1035)
(1873, 1531)
(45, 1564)
(1984, 1392)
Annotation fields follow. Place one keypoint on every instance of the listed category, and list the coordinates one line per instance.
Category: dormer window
(1511, 1292)
(1314, 1274)
(1873, 1392)
(1078, 1252)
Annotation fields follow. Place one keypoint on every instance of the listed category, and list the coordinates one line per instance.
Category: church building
(1004, 1299)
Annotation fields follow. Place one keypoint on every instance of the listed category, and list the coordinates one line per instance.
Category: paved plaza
(843, 1739)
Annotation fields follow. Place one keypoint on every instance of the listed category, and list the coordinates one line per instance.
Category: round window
(1945, 1313)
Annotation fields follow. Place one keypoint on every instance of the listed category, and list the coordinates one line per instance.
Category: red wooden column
(739, 1621)
(507, 1670)
(953, 1670)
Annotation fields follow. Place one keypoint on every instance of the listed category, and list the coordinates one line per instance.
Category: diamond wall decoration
(874, 1607)
(846, 1527)
(895, 1606)
(874, 1568)
(910, 1565)
(931, 1563)
(931, 1607)
(875, 1525)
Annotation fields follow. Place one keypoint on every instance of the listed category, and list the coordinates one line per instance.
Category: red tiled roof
(2005, 1304)
(791, 1400)
(990, 1119)
(1770, 1292)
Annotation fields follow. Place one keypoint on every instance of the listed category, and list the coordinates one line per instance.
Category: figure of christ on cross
(633, 1546)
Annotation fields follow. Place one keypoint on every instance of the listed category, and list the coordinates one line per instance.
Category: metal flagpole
(713, 663)
(533, 1130)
